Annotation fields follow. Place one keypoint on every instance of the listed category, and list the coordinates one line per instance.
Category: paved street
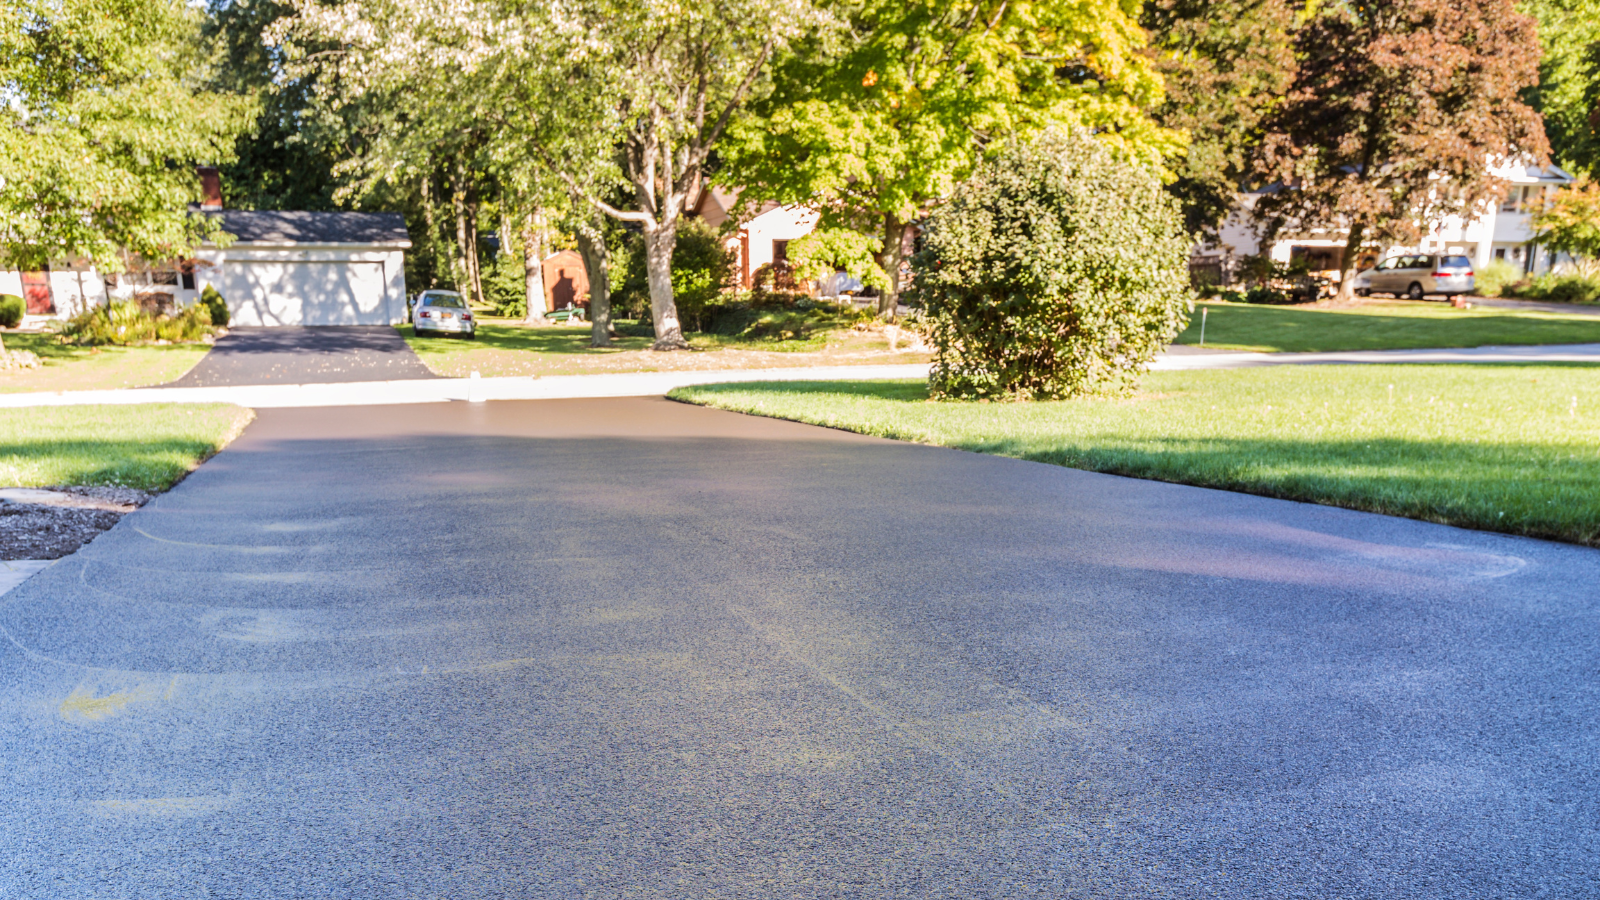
(629, 648)
(287, 354)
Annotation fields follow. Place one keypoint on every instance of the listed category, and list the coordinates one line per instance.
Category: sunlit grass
(1503, 448)
(1382, 325)
(146, 446)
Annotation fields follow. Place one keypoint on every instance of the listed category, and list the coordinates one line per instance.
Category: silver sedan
(443, 312)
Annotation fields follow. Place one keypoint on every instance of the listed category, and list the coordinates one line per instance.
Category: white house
(1498, 233)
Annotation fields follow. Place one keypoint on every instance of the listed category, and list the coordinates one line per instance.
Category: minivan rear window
(1455, 262)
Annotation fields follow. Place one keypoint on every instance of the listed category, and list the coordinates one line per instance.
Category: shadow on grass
(49, 348)
(549, 339)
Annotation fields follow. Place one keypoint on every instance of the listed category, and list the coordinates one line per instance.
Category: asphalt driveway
(290, 354)
(628, 648)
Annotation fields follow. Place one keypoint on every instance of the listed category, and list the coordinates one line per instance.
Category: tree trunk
(894, 233)
(433, 229)
(1352, 246)
(474, 269)
(659, 241)
(459, 267)
(597, 265)
(533, 269)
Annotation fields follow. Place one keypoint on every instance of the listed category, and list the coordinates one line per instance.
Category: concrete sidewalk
(443, 390)
(646, 384)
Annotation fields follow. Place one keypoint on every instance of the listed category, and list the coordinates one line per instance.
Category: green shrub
(216, 307)
(1494, 278)
(702, 268)
(12, 309)
(1059, 269)
(126, 323)
(1563, 288)
(1267, 294)
(505, 284)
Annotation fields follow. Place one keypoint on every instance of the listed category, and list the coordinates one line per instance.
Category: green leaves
(1571, 224)
(1060, 269)
(102, 130)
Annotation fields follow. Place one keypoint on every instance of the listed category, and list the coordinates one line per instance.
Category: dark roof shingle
(291, 227)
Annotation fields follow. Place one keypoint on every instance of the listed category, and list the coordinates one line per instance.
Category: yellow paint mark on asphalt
(86, 703)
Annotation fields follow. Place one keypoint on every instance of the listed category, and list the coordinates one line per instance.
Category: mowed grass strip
(146, 446)
(70, 368)
(1514, 449)
(1381, 325)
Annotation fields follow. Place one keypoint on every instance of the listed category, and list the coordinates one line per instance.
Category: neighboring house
(1499, 233)
(762, 240)
(285, 268)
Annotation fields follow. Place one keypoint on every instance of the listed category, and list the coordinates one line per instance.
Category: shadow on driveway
(332, 354)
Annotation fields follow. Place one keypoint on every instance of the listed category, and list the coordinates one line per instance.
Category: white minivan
(1417, 275)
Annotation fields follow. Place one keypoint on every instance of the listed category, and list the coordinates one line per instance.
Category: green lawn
(506, 348)
(69, 368)
(148, 446)
(1503, 448)
(1382, 325)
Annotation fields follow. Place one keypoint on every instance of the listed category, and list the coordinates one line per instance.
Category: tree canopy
(880, 119)
(1395, 114)
(102, 130)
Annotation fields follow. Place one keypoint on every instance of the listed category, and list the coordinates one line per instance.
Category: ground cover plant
(1503, 448)
(1381, 325)
(149, 447)
(64, 367)
(127, 323)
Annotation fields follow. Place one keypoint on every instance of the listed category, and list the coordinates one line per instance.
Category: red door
(36, 290)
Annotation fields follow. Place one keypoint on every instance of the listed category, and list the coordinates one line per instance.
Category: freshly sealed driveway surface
(627, 648)
(293, 354)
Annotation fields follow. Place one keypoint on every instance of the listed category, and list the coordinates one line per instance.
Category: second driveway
(627, 648)
(289, 354)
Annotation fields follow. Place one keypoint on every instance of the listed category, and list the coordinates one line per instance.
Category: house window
(1500, 253)
(780, 252)
(186, 280)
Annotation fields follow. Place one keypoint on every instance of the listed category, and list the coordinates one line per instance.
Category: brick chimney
(210, 187)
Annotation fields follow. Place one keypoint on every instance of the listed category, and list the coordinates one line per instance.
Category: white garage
(310, 268)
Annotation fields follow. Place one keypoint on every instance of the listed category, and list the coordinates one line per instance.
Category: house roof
(293, 227)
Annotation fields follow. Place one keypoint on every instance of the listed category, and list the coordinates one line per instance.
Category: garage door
(304, 293)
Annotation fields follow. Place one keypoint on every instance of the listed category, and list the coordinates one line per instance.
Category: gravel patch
(53, 522)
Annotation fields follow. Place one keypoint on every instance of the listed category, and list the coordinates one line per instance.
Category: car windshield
(447, 301)
(1455, 262)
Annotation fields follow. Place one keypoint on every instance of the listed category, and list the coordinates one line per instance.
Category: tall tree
(877, 123)
(101, 129)
(597, 91)
(1225, 63)
(1396, 113)
(286, 160)
(668, 79)
(1568, 94)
